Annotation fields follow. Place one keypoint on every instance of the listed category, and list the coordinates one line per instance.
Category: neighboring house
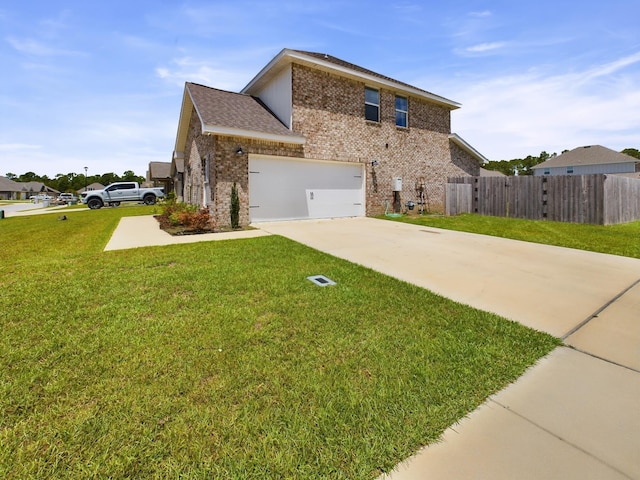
(9, 190)
(92, 187)
(312, 136)
(491, 173)
(588, 160)
(177, 178)
(159, 175)
(29, 189)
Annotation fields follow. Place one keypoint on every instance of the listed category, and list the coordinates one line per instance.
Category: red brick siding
(329, 111)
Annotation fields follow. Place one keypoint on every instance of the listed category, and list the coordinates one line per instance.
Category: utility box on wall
(397, 184)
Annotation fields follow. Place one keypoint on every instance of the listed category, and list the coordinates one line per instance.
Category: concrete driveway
(574, 415)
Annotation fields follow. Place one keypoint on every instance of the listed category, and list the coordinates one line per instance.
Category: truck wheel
(94, 203)
(149, 199)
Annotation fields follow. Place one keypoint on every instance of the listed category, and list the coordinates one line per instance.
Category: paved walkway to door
(574, 415)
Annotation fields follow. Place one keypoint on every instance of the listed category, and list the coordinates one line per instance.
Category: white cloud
(483, 14)
(17, 147)
(31, 46)
(187, 69)
(485, 47)
(519, 115)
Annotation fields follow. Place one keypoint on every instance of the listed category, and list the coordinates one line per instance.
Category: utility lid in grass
(321, 280)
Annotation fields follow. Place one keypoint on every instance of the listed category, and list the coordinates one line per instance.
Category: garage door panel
(282, 189)
(324, 203)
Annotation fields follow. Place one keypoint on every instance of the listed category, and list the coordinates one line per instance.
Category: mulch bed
(182, 230)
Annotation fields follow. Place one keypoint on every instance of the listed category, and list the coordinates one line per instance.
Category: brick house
(312, 136)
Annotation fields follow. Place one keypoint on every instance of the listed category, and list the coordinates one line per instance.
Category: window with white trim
(371, 104)
(402, 111)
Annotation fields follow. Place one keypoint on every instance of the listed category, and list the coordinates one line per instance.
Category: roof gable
(227, 113)
(588, 155)
(340, 67)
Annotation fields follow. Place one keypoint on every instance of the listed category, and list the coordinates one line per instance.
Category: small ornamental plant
(179, 218)
(235, 207)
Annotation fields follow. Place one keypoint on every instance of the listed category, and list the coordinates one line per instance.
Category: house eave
(237, 132)
(186, 108)
(459, 141)
(286, 57)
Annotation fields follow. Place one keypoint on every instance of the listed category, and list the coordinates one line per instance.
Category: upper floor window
(569, 170)
(371, 104)
(402, 109)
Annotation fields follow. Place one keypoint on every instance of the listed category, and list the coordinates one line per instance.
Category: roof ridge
(358, 68)
(218, 89)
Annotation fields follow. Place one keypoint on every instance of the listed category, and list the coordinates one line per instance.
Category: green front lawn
(220, 360)
(623, 239)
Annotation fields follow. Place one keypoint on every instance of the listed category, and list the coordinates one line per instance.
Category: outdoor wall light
(374, 163)
(239, 151)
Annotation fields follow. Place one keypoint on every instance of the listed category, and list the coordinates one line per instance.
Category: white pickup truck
(118, 192)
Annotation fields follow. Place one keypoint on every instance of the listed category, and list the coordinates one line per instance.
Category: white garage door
(292, 189)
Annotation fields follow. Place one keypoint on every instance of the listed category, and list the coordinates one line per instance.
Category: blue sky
(99, 84)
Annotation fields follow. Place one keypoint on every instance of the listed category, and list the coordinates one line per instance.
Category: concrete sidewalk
(575, 414)
(144, 231)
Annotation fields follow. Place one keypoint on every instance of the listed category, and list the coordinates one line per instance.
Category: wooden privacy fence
(597, 199)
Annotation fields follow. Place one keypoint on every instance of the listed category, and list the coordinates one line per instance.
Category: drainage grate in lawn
(321, 280)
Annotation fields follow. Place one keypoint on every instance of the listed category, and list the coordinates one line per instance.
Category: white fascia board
(289, 56)
(237, 132)
(455, 138)
(183, 122)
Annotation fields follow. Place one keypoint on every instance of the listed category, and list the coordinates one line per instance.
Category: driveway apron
(575, 414)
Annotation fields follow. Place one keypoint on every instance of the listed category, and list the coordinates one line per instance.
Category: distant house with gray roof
(9, 190)
(159, 175)
(491, 173)
(588, 160)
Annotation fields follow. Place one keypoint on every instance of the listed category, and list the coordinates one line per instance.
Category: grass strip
(619, 239)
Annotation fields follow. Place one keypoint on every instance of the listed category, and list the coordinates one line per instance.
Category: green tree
(632, 152)
(523, 166)
(29, 177)
(107, 178)
(130, 176)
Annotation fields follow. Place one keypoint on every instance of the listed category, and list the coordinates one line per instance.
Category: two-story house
(312, 136)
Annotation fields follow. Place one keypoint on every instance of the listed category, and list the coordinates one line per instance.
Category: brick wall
(329, 111)
(231, 167)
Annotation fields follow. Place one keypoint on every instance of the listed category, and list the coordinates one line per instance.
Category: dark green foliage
(235, 207)
(632, 152)
(523, 166)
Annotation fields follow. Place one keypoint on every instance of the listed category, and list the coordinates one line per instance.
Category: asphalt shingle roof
(8, 185)
(238, 111)
(160, 169)
(589, 155)
(356, 68)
